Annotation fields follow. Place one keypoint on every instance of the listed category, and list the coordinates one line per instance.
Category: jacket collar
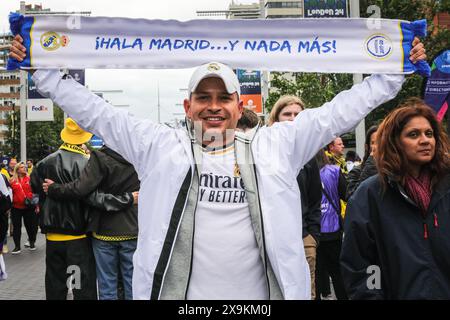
(440, 190)
(73, 148)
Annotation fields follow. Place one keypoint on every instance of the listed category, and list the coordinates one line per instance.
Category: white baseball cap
(215, 70)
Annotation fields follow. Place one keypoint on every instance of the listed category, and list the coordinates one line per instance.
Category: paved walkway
(26, 272)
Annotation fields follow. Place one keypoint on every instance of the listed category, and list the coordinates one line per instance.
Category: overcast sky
(139, 86)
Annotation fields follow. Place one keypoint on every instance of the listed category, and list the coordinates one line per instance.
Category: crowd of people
(233, 209)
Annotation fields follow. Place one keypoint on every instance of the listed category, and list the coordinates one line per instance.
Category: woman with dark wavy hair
(397, 228)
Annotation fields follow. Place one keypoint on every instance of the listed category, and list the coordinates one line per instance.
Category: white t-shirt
(226, 261)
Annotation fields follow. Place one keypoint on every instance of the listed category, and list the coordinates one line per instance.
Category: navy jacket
(388, 231)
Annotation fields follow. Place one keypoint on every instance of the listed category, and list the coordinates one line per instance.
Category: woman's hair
(367, 146)
(15, 175)
(281, 103)
(322, 159)
(391, 160)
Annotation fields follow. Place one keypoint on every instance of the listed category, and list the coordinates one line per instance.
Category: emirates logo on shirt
(222, 189)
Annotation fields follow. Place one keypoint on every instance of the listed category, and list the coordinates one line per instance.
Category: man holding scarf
(223, 221)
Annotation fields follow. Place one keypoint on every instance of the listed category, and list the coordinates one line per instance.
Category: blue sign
(250, 81)
(96, 142)
(437, 86)
(325, 9)
(78, 75)
(32, 92)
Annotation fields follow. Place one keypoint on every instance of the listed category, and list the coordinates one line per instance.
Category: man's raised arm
(122, 132)
(314, 128)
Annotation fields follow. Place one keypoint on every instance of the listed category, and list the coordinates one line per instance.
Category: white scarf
(302, 45)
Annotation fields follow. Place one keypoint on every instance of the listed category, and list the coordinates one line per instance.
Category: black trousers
(3, 228)
(66, 258)
(327, 263)
(30, 221)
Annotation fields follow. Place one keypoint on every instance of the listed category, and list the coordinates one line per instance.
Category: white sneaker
(27, 244)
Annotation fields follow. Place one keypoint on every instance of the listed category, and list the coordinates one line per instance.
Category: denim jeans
(109, 257)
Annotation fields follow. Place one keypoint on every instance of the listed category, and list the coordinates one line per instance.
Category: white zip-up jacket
(164, 160)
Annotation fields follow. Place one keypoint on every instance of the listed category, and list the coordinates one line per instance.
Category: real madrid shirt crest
(306, 45)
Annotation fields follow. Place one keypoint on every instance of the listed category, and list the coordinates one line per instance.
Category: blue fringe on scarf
(20, 25)
(410, 30)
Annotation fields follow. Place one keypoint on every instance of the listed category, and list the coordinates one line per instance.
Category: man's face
(12, 163)
(29, 164)
(337, 148)
(216, 109)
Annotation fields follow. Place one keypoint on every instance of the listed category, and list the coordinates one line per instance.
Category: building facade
(10, 80)
(9, 89)
(279, 9)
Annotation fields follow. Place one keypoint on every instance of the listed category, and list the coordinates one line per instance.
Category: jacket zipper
(436, 225)
(196, 171)
(263, 235)
(176, 235)
(425, 230)
(192, 256)
(425, 226)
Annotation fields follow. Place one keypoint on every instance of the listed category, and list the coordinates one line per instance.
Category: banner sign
(96, 142)
(325, 8)
(77, 75)
(39, 110)
(32, 92)
(303, 45)
(250, 82)
(437, 88)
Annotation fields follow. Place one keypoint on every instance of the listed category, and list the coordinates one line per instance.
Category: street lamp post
(23, 109)
(360, 131)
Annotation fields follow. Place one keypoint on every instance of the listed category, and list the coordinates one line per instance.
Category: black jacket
(388, 230)
(5, 200)
(360, 173)
(58, 215)
(311, 195)
(109, 173)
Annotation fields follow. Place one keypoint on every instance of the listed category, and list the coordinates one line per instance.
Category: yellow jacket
(5, 173)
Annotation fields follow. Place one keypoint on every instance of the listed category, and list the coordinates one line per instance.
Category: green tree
(43, 137)
(314, 88)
